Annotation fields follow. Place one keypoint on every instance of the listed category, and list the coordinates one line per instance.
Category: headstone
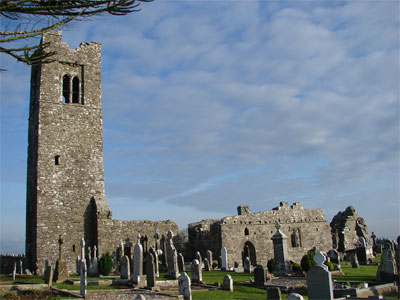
(184, 286)
(140, 297)
(198, 257)
(172, 258)
(125, 267)
(259, 275)
(94, 266)
(334, 256)
(21, 269)
(319, 280)
(61, 272)
(48, 276)
(181, 263)
(246, 265)
(274, 293)
(83, 279)
(294, 296)
(83, 250)
(227, 284)
(157, 241)
(77, 265)
(219, 262)
(354, 261)
(196, 272)
(206, 264)
(387, 264)
(137, 261)
(224, 259)
(28, 272)
(151, 274)
(209, 256)
(155, 256)
(14, 271)
(282, 263)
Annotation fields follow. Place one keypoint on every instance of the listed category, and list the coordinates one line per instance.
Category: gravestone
(224, 259)
(77, 265)
(61, 272)
(387, 264)
(294, 296)
(198, 257)
(196, 272)
(21, 268)
(181, 263)
(125, 267)
(140, 297)
(155, 256)
(319, 280)
(259, 275)
(14, 271)
(282, 263)
(227, 284)
(137, 261)
(246, 265)
(362, 251)
(354, 261)
(219, 262)
(48, 276)
(274, 293)
(334, 256)
(83, 279)
(157, 241)
(82, 250)
(172, 258)
(206, 264)
(209, 256)
(150, 272)
(184, 286)
(94, 266)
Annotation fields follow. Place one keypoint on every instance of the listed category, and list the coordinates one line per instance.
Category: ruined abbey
(65, 182)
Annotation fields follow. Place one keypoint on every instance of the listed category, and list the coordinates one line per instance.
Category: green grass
(363, 274)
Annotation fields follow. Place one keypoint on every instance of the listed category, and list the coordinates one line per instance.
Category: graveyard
(75, 249)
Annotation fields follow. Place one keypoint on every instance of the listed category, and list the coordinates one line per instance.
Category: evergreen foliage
(105, 264)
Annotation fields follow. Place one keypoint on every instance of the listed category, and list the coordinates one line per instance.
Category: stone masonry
(65, 176)
(250, 235)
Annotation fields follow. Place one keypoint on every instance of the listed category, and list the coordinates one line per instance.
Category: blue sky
(211, 104)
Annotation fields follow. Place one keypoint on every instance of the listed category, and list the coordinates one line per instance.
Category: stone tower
(65, 176)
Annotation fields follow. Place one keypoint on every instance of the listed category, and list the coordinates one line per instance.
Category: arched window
(66, 88)
(75, 90)
(246, 231)
(296, 238)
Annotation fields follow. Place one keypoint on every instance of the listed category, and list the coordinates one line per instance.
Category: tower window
(57, 160)
(66, 88)
(246, 231)
(75, 90)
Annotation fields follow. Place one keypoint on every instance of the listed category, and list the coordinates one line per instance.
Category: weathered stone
(156, 262)
(206, 264)
(282, 264)
(198, 257)
(125, 267)
(274, 293)
(319, 281)
(246, 265)
(197, 276)
(354, 261)
(295, 296)
(224, 259)
(172, 258)
(334, 256)
(83, 278)
(48, 276)
(227, 284)
(65, 160)
(259, 275)
(209, 256)
(150, 272)
(14, 271)
(387, 264)
(181, 263)
(185, 286)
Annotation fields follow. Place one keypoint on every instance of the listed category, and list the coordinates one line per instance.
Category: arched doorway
(90, 225)
(250, 251)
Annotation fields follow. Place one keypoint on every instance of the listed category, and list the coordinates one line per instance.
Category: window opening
(246, 231)
(57, 160)
(75, 90)
(66, 88)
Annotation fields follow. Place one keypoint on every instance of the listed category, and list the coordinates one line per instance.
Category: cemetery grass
(366, 273)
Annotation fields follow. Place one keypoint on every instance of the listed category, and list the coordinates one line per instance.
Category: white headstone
(184, 286)
(137, 261)
(224, 257)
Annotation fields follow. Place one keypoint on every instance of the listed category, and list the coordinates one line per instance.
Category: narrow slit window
(246, 231)
(57, 160)
(75, 90)
(66, 88)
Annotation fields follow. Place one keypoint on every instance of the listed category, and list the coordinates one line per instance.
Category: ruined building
(250, 235)
(65, 177)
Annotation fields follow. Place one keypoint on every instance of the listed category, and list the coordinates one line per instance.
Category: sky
(208, 105)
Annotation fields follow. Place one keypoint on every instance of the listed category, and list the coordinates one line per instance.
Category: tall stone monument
(279, 239)
(172, 258)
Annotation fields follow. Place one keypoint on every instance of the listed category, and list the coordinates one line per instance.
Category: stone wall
(251, 233)
(7, 263)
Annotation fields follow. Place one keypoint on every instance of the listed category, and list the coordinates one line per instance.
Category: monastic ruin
(65, 180)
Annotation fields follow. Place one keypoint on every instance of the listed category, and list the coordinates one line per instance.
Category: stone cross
(228, 283)
(60, 243)
(125, 267)
(185, 286)
(282, 263)
(224, 257)
(196, 272)
(319, 280)
(83, 250)
(83, 279)
(172, 258)
(277, 226)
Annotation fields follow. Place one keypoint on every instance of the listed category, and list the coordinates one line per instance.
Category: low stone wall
(7, 263)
